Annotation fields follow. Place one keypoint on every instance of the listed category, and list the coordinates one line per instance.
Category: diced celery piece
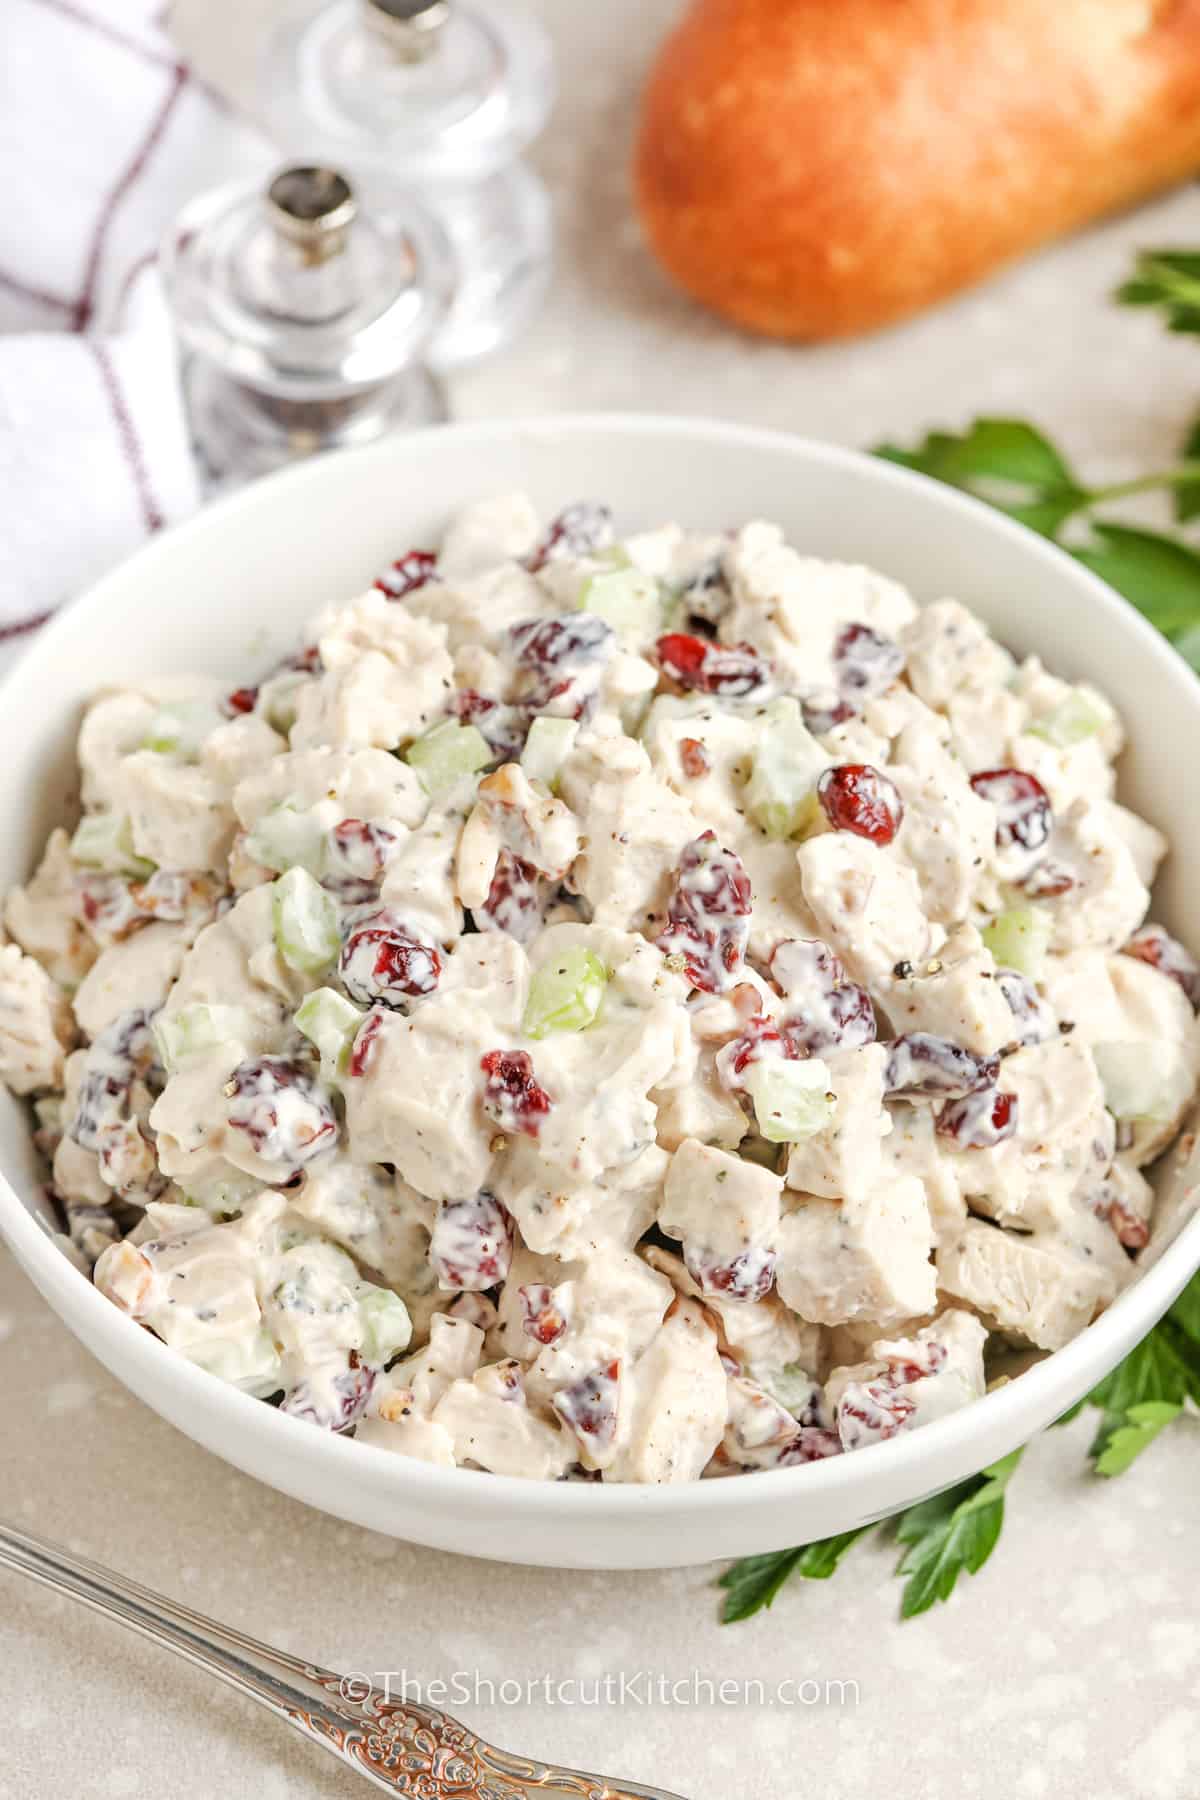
(444, 755)
(180, 728)
(386, 1326)
(222, 1195)
(616, 555)
(1075, 718)
(1019, 939)
(1143, 1079)
(307, 933)
(194, 1029)
(781, 794)
(791, 1099)
(792, 1386)
(332, 1023)
(287, 838)
(628, 600)
(104, 840)
(251, 1363)
(547, 747)
(279, 698)
(566, 992)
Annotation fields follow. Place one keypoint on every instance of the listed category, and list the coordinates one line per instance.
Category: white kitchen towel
(104, 134)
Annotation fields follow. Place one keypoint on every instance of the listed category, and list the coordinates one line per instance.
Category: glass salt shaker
(445, 95)
(305, 313)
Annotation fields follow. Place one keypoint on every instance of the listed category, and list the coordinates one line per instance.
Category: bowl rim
(294, 1440)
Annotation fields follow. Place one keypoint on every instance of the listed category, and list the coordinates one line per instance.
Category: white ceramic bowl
(230, 590)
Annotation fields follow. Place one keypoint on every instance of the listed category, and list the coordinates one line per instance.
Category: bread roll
(814, 168)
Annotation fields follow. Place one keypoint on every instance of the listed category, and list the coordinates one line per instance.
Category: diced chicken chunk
(863, 1258)
(1029, 1289)
(36, 1027)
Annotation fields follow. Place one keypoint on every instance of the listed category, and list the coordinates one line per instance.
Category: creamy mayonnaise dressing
(628, 1010)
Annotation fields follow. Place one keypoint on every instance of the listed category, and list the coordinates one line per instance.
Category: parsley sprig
(956, 1531)
(1014, 466)
(1169, 279)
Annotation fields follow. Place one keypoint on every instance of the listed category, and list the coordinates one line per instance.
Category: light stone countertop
(1071, 1665)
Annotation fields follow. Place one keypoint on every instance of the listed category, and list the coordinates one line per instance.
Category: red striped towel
(104, 134)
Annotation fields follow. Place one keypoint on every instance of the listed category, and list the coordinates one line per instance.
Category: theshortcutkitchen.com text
(616, 1687)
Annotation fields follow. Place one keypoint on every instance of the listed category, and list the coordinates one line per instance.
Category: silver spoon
(399, 1746)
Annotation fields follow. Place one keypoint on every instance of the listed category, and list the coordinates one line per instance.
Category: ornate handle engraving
(396, 1745)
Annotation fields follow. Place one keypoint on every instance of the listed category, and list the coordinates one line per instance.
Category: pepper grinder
(305, 315)
(444, 95)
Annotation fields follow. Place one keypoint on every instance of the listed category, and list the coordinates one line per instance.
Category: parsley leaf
(1187, 499)
(1007, 462)
(949, 1532)
(1164, 1366)
(1120, 1440)
(960, 1537)
(1160, 575)
(820, 1559)
(1145, 1392)
(1170, 279)
(990, 449)
(1185, 1312)
(1015, 467)
(752, 1583)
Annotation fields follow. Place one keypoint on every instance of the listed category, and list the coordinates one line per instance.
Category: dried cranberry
(408, 574)
(730, 669)
(471, 1243)
(517, 900)
(1154, 946)
(241, 700)
(760, 1040)
(856, 797)
(385, 963)
(870, 1412)
(475, 1309)
(504, 728)
(1033, 1018)
(559, 661)
(365, 1044)
(579, 530)
(826, 1010)
(920, 1065)
(705, 595)
(823, 711)
(924, 1359)
(865, 661)
(287, 1116)
(511, 1096)
(812, 1443)
(124, 1052)
(1049, 881)
(694, 758)
(304, 662)
(748, 1276)
(564, 641)
(356, 853)
(542, 1317)
(978, 1120)
(334, 1405)
(707, 914)
(589, 1406)
(1023, 814)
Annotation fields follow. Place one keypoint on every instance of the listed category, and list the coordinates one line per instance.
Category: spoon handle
(400, 1746)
